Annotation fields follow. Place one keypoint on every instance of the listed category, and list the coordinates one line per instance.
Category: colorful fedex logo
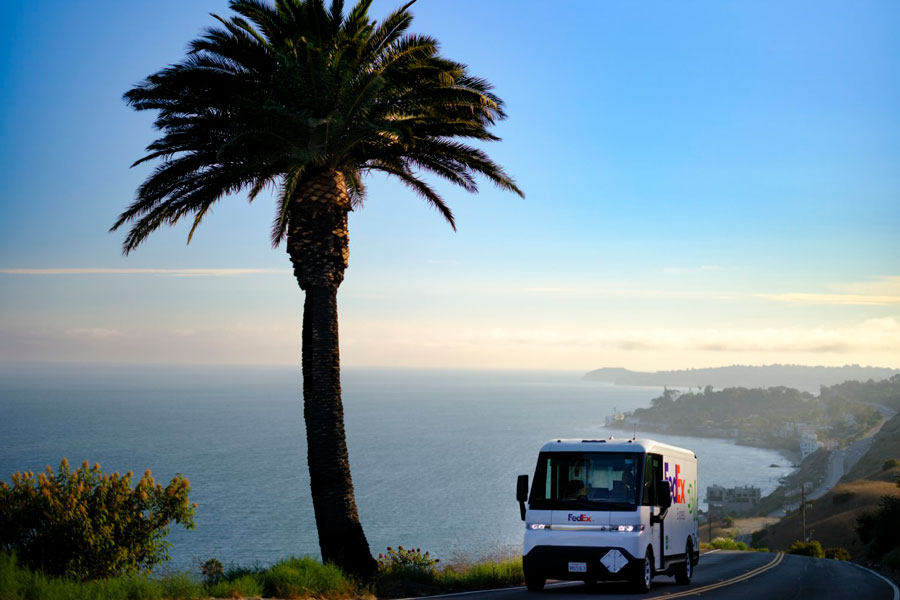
(676, 483)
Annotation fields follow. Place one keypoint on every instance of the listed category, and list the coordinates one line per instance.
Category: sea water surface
(434, 454)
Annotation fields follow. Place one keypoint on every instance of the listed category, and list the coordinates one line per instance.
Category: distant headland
(797, 376)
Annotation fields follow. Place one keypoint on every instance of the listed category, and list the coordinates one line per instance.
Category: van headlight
(626, 528)
(537, 526)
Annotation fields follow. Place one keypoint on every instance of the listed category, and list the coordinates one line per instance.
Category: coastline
(791, 456)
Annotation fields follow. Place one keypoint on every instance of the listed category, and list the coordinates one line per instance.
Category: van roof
(612, 444)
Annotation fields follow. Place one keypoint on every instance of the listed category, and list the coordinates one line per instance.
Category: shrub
(877, 529)
(482, 575)
(724, 543)
(408, 565)
(890, 464)
(304, 577)
(811, 548)
(403, 559)
(242, 587)
(212, 572)
(89, 525)
(837, 553)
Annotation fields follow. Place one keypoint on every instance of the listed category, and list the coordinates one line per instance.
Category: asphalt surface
(731, 575)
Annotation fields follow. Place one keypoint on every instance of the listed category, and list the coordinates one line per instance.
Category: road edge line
(490, 591)
(737, 579)
(877, 574)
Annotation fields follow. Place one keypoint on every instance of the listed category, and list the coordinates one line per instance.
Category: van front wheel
(534, 582)
(644, 575)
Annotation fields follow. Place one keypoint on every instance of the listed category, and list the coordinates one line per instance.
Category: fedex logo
(676, 483)
(582, 518)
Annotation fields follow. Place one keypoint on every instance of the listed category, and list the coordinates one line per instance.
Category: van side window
(652, 475)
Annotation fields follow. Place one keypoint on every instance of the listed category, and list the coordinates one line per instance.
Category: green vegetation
(401, 573)
(837, 553)
(18, 582)
(89, 525)
(814, 548)
(727, 543)
(878, 530)
(811, 548)
(885, 392)
(775, 417)
(881, 456)
(460, 575)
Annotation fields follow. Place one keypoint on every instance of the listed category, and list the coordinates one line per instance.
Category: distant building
(614, 419)
(808, 445)
(732, 501)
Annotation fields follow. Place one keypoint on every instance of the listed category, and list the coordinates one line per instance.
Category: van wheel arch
(686, 571)
(643, 576)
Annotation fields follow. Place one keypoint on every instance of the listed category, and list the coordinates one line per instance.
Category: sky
(707, 183)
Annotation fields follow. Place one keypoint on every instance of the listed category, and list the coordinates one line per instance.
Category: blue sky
(706, 183)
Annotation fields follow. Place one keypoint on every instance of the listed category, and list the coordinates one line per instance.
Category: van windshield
(587, 480)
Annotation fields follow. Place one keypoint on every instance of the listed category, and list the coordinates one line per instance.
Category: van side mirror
(663, 500)
(522, 488)
(522, 493)
(664, 494)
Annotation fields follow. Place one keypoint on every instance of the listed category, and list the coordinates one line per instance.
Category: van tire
(534, 582)
(642, 579)
(685, 572)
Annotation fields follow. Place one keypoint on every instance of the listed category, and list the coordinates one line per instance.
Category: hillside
(832, 519)
(776, 417)
(885, 446)
(808, 378)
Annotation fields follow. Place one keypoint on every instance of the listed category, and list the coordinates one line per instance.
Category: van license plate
(577, 567)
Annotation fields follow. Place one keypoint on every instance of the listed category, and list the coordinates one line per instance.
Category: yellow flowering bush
(85, 524)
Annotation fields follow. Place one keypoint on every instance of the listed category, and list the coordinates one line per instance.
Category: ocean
(434, 453)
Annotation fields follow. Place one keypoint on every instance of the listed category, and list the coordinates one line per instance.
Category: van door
(653, 474)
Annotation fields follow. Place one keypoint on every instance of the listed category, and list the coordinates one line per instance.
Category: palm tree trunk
(318, 244)
(341, 536)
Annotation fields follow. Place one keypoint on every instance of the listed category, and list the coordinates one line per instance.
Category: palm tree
(306, 100)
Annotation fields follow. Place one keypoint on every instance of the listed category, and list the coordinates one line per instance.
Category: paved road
(841, 461)
(733, 576)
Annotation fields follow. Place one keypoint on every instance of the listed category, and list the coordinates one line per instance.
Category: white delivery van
(610, 509)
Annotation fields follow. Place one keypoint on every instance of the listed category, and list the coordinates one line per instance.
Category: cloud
(162, 272)
(885, 285)
(832, 299)
(876, 291)
(873, 334)
(691, 270)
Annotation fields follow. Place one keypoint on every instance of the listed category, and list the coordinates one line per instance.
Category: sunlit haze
(706, 184)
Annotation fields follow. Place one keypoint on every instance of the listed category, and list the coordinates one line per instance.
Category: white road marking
(888, 581)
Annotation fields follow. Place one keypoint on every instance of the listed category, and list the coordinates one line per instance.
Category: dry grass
(832, 518)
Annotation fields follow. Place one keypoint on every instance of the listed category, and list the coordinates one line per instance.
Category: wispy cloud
(160, 272)
(877, 291)
(873, 334)
(833, 299)
(691, 270)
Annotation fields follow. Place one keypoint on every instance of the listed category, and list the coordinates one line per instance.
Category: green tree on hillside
(308, 100)
(878, 529)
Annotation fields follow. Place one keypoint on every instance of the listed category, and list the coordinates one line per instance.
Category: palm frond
(286, 90)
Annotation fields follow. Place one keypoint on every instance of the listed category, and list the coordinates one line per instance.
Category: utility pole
(803, 508)
(709, 521)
